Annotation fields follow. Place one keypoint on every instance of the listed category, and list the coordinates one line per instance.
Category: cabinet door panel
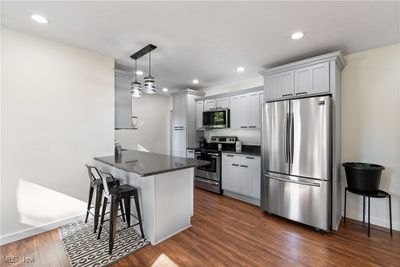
(199, 114)
(256, 183)
(303, 81)
(209, 104)
(230, 176)
(286, 84)
(222, 102)
(235, 112)
(254, 115)
(244, 103)
(246, 183)
(320, 78)
(271, 87)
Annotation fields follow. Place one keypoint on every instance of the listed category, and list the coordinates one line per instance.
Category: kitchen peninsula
(165, 185)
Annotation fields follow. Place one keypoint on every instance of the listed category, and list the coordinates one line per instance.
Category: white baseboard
(374, 220)
(250, 200)
(39, 229)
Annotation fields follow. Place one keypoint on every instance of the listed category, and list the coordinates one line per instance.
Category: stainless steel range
(209, 177)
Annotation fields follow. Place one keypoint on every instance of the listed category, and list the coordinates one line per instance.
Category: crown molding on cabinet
(239, 92)
(188, 91)
(336, 56)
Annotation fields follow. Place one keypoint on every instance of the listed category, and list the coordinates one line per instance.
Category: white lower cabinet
(241, 175)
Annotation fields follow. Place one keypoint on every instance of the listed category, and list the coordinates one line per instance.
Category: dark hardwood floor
(227, 232)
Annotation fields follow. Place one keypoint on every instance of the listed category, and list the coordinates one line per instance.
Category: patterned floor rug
(83, 249)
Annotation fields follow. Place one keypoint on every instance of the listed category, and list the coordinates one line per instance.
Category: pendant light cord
(135, 70)
(150, 63)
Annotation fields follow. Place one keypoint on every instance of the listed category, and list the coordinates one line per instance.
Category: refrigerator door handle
(293, 181)
(291, 138)
(286, 142)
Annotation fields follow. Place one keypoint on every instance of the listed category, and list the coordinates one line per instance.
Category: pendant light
(149, 81)
(136, 87)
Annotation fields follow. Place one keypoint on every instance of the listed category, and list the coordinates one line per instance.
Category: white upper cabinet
(256, 99)
(279, 85)
(199, 114)
(240, 111)
(209, 104)
(246, 110)
(310, 76)
(312, 79)
(235, 112)
(222, 102)
(179, 119)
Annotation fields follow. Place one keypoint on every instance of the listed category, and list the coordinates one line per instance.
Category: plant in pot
(363, 177)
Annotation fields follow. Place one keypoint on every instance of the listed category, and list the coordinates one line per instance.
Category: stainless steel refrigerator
(296, 160)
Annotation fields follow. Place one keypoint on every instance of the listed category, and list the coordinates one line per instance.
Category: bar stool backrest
(105, 184)
(93, 173)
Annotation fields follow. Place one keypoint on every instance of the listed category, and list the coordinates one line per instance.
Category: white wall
(57, 113)
(249, 136)
(371, 125)
(153, 133)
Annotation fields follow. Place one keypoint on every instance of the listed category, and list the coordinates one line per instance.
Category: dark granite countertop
(148, 164)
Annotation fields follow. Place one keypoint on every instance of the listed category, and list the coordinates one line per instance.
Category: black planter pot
(364, 177)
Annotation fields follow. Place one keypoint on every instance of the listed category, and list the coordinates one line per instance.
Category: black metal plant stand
(378, 194)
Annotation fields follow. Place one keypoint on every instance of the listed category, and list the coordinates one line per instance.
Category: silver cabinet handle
(235, 164)
(213, 154)
(243, 126)
(244, 166)
(301, 93)
(292, 181)
(286, 95)
(229, 156)
(252, 126)
(249, 158)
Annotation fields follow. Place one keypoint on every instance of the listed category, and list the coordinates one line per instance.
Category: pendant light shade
(136, 87)
(149, 85)
(149, 81)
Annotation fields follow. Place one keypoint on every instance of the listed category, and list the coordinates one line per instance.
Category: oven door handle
(206, 181)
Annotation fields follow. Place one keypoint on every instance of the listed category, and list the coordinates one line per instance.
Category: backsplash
(248, 136)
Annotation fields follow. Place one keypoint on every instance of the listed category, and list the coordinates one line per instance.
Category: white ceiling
(208, 40)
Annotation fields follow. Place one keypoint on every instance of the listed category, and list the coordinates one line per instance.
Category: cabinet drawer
(250, 161)
(231, 158)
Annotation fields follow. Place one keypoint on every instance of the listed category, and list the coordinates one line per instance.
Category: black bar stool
(96, 184)
(378, 194)
(115, 195)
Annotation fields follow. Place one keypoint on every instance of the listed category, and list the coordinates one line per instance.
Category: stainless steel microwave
(216, 119)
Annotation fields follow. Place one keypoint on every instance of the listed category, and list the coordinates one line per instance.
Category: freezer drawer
(298, 199)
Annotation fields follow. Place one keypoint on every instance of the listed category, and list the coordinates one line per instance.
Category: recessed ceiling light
(39, 19)
(297, 35)
(165, 89)
(240, 69)
(195, 81)
(139, 72)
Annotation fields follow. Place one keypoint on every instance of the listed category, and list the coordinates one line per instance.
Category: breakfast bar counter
(165, 185)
